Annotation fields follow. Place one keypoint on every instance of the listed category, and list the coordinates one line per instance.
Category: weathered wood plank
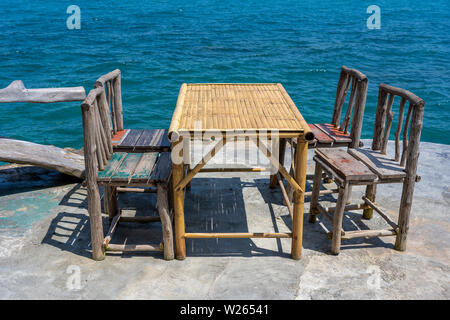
(127, 167)
(50, 157)
(146, 138)
(320, 136)
(334, 133)
(163, 168)
(379, 163)
(346, 165)
(111, 167)
(145, 167)
(160, 139)
(144, 141)
(131, 138)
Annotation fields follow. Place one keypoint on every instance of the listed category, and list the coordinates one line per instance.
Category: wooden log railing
(357, 82)
(111, 83)
(16, 92)
(46, 156)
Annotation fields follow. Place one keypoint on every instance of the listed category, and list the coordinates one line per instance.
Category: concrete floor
(45, 246)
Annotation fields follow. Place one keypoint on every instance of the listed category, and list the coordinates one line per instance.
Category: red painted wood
(336, 134)
(118, 136)
(320, 136)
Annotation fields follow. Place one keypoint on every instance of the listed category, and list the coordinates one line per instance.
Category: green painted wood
(145, 167)
(127, 167)
(111, 167)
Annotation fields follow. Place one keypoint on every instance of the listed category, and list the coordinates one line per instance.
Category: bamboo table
(238, 109)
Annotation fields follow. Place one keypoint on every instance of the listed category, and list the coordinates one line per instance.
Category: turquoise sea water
(159, 45)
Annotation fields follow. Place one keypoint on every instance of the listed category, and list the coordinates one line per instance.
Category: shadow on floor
(217, 205)
(211, 205)
(315, 235)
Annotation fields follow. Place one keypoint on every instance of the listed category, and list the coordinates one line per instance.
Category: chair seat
(147, 168)
(320, 136)
(345, 165)
(136, 140)
(329, 134)
(380, 164)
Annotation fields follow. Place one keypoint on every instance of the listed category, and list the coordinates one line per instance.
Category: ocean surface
(159, 45)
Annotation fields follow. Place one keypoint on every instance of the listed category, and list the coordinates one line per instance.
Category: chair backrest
(384, 120)
(357, 83)
(111, 84)
(97, 131)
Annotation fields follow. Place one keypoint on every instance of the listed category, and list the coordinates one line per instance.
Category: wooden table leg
(163, 210)
(299, 199)
(178, 204)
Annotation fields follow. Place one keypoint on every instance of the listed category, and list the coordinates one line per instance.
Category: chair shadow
(211, 205)
(70, 229)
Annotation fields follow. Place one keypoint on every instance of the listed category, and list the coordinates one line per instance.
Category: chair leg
(170, 195)
(163, 210)
(186, 172)
(404, 213)
(187, 159)
(349, 194)
(281, 152)
(289, 189)
(110, 201)
(371, 191)
(313, 211)
(337, 219)
(96, 224)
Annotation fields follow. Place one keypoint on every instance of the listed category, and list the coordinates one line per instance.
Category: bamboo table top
(230, 106)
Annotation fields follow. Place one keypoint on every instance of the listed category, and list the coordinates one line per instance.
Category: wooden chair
(112, 169)
(340, 132)
(129, 140)
(344, 133)
(373, 166)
